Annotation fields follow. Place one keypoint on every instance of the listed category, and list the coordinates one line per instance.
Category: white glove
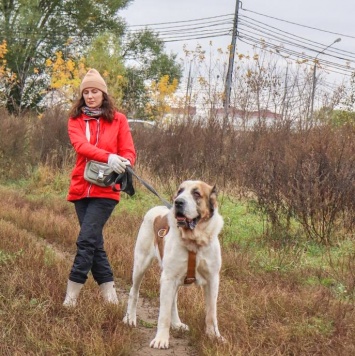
(117, 163)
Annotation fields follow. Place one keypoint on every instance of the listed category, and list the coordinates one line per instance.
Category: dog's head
(194, 201)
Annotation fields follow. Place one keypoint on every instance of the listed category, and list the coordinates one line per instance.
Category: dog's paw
(180, 326)
(160, 342)
(221, 339)
(215, 335)
(129, 320)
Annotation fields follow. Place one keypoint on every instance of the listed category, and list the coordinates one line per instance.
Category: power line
(184, 21)
(321, 46)
(209, 24)
(289, 51)
(195, 37)
(251, 27)
(217, 26)
(191, 30)
(261, 45)
(297, 24)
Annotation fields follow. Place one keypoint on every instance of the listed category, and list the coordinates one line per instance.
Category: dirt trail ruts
(146, 314)
(179, 345)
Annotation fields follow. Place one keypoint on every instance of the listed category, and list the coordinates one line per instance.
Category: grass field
(279, 295)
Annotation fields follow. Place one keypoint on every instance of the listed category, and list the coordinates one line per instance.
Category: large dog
(185, 241)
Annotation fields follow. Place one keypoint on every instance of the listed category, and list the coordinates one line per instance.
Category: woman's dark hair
(107, 106)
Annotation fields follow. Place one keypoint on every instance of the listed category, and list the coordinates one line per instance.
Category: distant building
(243, 119)
(189, 111)
(179, 114)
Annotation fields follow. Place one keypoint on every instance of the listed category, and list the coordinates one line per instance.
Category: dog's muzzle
(182, 220)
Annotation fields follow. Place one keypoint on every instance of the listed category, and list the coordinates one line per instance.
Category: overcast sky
(323, 22)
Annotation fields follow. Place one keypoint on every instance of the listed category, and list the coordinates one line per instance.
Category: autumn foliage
(7, 77)
(66, 75)
(162, 92)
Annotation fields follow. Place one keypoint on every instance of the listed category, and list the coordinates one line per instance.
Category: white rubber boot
(108, 292)
(73, 290)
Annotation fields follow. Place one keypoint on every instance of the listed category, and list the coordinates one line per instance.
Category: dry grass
(33, 322)
(280, 166)
(262, 311)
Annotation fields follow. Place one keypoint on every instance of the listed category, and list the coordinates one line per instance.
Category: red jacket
(105, 138)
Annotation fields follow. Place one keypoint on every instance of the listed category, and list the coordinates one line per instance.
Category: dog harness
(161, 229)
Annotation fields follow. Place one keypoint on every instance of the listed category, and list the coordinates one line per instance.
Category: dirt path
(147, 315)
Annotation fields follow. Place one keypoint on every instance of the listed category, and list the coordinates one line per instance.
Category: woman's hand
(117, 163)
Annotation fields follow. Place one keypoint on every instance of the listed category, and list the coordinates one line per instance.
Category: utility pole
(285, 85)
(188, 98)
(228, 84)
(314, 78)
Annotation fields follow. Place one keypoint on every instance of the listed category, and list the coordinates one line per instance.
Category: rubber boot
(73, 290)
(108, 292)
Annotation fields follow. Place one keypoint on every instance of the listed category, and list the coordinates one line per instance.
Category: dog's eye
(196, 194)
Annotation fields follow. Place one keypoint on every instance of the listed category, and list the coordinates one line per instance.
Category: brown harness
(191, 267)
(161, 229)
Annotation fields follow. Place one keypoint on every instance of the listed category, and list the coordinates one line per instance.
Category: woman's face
(93, 97)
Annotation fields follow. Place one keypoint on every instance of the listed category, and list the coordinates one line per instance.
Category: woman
(97, 132)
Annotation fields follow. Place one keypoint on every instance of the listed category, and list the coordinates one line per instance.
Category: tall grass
(272, 301)
(303, 174)
(287, 281)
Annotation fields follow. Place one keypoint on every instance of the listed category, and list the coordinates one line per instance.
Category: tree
(36, 29)
(105, 54)
(161, 92)
(65, 78)
(130, 85)
(146, 62)
(6, 77)
(342, 117)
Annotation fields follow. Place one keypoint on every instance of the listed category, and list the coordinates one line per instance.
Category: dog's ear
(214, 190)
(213, 199)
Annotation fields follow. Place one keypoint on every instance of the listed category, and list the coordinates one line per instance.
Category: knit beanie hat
(93, 79)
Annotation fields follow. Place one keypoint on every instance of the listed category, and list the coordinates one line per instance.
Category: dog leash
(149, 187)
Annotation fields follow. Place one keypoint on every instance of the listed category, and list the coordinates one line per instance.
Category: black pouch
(125, 180)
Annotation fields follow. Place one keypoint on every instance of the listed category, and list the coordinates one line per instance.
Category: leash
(149, 187)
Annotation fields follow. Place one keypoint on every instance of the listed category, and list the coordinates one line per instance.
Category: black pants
(90, 255)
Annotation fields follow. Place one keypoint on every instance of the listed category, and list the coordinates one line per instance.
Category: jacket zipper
(97, 140)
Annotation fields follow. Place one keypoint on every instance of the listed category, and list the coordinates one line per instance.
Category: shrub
(29, 141)
(303, 175)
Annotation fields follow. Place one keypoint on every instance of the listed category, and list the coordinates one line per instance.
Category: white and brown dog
(185, 241)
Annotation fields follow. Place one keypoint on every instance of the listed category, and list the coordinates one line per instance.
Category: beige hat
(93, 79)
